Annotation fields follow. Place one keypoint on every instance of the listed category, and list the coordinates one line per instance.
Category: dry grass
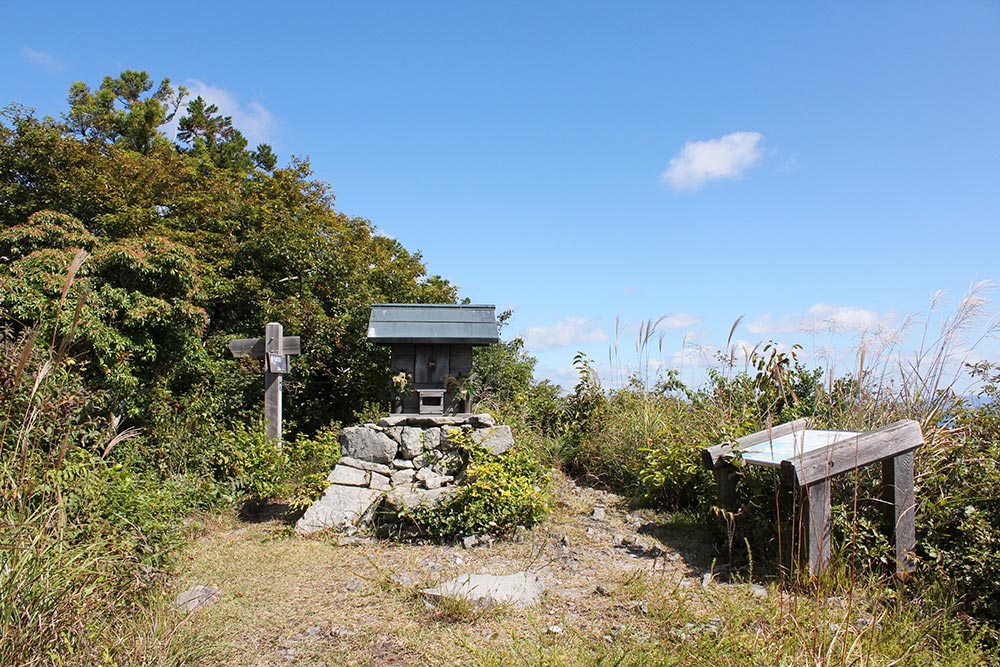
(291, 600)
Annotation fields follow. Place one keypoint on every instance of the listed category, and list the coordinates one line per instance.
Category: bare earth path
(292, 600)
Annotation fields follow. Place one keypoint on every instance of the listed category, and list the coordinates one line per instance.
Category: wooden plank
(461, 360)
(900, 508)
(442, 364)
(852, 453)
(774, 432)
(712, 456)
(818, 515)
(247, 347)
(422, 355)
(254, 347)
(402, 359)
(291, 345)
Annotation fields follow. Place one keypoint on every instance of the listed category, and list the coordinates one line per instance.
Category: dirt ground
(612, 578)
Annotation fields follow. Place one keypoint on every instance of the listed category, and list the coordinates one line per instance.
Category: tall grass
(82, 542)
(643, 434)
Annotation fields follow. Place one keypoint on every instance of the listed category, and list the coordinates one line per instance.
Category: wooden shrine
(808, 459)
(432, 352)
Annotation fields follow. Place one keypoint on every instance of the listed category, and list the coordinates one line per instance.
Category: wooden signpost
(274, 348)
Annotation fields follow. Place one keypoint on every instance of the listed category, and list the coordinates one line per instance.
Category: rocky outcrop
(403, 461)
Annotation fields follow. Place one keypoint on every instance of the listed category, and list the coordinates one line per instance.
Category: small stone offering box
(809, 458)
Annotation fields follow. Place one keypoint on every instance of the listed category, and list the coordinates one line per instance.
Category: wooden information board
(810, 458)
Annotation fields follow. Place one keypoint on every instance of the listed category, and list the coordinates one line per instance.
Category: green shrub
(309, 461)
(958, 504)
(254, 466)
(501, 492)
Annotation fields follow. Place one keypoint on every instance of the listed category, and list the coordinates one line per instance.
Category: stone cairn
(402, 462)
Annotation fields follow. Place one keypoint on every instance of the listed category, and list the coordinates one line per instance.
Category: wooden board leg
(900, 507)
(819, 523)
(725, 480)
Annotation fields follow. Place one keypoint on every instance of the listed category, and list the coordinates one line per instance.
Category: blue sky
(804, 165)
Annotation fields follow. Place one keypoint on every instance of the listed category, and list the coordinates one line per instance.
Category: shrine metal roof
(468, 324)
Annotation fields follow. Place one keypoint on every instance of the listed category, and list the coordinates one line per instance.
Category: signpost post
(274, 348)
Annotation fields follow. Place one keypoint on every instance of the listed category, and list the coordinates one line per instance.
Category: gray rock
(421, 420)
(396, 433)
(348, 476)
(409, 496)
(402, 477)
(365, 465)
(482, 419)
(379, 482)
(368, 445)
(432, 438)
(598, 513)
(340, 507)
(419, 461)
(196, 598)
(469, 541)
(403, 464)
(437, 481)
(496, 440)
(520, 589)
(412, 442)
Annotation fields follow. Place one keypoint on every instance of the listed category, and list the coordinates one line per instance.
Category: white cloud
(729, 156)
(253, 119)
(840, 318)
(767, 324)
(821, 317)
(44, 60)
(566, 332)
(679, 321)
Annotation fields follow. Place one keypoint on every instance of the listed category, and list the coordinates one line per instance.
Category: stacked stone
(405, 461)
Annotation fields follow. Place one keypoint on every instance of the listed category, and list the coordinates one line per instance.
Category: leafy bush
(501, 492)
(254, 465)
(256, 468)
(309, 461)
(958, 510)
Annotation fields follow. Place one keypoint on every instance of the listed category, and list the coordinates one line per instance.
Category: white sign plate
(787, 447)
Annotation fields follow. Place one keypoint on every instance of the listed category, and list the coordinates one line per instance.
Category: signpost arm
(272, 384)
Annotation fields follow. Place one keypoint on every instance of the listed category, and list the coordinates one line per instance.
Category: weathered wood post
(273, 382)
(900, 507)
(274, 348)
